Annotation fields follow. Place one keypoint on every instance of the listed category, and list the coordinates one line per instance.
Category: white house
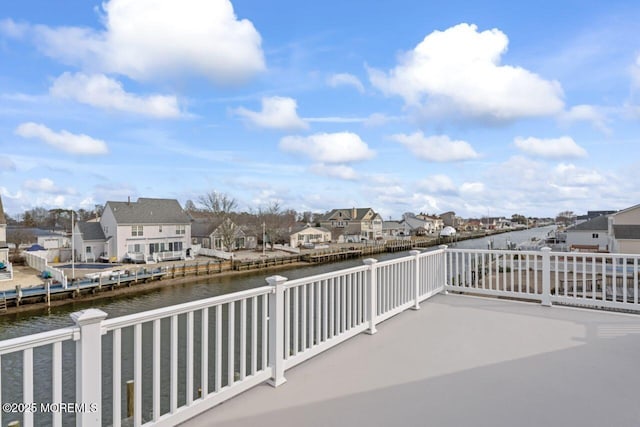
(392, 229)
(591, 235)
(89, 241)
(212, 233)
(148, 229)
(624, 231)
(353, 224)
(309, 235)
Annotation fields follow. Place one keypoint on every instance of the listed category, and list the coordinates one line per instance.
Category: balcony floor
(461, 361)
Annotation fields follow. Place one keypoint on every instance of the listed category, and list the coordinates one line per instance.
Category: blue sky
(490, 108)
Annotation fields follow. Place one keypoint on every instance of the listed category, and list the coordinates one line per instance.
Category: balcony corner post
(443, 248)
(276, 330)
(89, 366)
(372, 295)
(546, 277)
(416, 279)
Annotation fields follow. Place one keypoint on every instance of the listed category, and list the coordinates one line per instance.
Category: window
(136, 230)
(134, 248)
(594, 235)
(159, 229)
(181, 229)
(88, 250)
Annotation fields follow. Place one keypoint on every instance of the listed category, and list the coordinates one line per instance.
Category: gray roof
(91, 231)
(347, 214)
(389, 225)
(202, 229)
(149, 211)
(623, 231)
(600, 223)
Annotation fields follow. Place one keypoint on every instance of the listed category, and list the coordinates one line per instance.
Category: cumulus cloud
(437, 148)
(340, 147)
(570, 175)
(334, 171)
(13, 29)
(586, 113)
(277, 113)
(45, 185)
(345, 79)
(551, 148)
(149, 39)
(472, 188)
(101, 91)
(438, 184)
(459, 71)
(63, 140)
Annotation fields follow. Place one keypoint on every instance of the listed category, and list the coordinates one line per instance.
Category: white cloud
(63, 140)
(101, 91)
(472, 188)
(570, 175)
(45, 185)
(438, 184)
(437, 148)
(458, 71)
(345, 79)
(334, 171)
(13, 29)
(147, 39)
(635, 73)
(341, 147)
(277, 113)
(586, 113)
(6, 164)
(552, 148)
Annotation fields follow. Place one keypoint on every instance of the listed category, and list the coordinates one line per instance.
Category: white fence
(187, 358)
(38, 261)
(575, 278)
(215, 253)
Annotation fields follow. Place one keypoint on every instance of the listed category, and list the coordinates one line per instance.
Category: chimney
(128, 200)
(354, 213)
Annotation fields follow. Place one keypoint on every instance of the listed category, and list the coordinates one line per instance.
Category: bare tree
(219, 204)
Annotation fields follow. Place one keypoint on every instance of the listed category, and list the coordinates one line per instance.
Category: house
(309, 235)
(392, 229)
(624, 231)
(218, 234)
(89, 241)
(436, 223)
(4, 248)
(413, 226)
(353, 225)
(589, 235)
(146, 230)
(54, 240)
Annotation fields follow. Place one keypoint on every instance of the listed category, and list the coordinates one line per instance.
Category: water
(500, 241)
(38, 321)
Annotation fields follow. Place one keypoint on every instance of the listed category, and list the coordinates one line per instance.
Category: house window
(181, 229)
(136, 231)
(134, 248)
(594, 235)
(159, 229)
(88, 250)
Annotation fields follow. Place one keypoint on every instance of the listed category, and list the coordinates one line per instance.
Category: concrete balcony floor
(461, 361)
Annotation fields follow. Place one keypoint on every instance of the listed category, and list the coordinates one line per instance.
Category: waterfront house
(353, 225)
(146, 230)
(89, 241)
(589, 235)
(392, 229)
(624, 231)
(212, 233)
(309, 235)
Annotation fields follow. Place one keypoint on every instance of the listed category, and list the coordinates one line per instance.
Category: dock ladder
(3, 303)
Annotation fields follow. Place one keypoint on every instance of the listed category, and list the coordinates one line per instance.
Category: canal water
(21, 324)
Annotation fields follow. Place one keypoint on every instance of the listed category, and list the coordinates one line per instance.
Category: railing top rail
(37, 340)
(395, 261)
(160, 313)
(324, 276)
(604, 255)
(495, 251)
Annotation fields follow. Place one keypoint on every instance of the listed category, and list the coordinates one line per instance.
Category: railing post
(416, 279)
(546, 277)
(276, 330)
(89, 366)
(444, 268)
(372, 295)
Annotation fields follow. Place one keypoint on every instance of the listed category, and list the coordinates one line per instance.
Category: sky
(487, 108)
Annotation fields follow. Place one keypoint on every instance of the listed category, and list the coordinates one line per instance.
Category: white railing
(39, 262)
(176, 362)
(576, 278)
(215, 253)
(7, 273)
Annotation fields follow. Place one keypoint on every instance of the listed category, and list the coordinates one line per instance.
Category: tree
(519, 219)
(189, 206)
(219, 204)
